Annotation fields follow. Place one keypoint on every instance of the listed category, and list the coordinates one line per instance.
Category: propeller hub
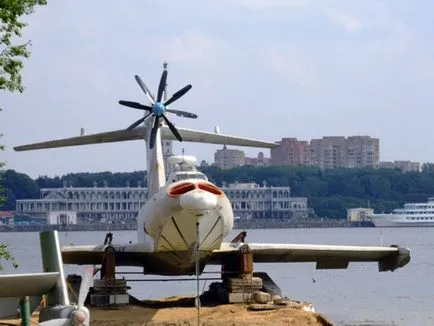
(158, 109)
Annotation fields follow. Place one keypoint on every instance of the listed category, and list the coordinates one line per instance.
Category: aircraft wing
(138, 133)
(21, 285)
(179, 263)
(198, 136)
(103, 137)
(325, 256)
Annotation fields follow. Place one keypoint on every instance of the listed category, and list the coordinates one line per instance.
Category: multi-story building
(404, 166)
(250, 200)
(290, 152)
(102, 204)
(119, 205)
(258, 161)
(363, 151)
(328, 152)
(351, 152)
(229, 158)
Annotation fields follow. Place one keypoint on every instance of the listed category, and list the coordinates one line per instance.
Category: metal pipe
(197, 274)
(172, 279)
(25, 311)
(204, 272)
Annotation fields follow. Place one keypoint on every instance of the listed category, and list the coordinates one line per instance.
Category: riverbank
(179, 311)
(238, 224)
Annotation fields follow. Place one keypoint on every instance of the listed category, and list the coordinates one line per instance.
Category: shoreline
(238, 225)
(180, 311)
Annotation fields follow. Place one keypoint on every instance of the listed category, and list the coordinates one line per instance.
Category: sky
(263, 69)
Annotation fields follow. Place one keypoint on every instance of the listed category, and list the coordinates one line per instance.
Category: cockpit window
(197, 175)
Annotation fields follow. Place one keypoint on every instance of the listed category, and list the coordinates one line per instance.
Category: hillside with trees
(330, 192)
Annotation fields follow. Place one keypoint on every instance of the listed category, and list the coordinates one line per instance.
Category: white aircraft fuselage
(170, 216)
(168, 219)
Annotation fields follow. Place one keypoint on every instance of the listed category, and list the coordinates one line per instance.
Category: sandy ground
(180, 312)
(209, 316)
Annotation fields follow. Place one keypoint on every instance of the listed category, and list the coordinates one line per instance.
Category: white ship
(413, 214)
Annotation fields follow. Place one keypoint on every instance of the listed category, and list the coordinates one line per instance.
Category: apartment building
(338, 151)
(290, 152)
(363, 151)
(328, 152)
(404, 166)
(226, 158)
(258, 161)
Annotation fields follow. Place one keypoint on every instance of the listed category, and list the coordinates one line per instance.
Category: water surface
(359, 295)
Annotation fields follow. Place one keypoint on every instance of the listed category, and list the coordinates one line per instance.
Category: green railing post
(25, 311)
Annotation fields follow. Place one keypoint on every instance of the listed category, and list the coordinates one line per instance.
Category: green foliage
(428, 167)
(12, 54)
(2, 191)
(18, 186)
(5, 254)
(88, 179)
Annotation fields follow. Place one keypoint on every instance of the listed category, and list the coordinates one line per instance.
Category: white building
(359, 214)
(250, 200)
(90, 204)
(122, 204)
(63, 218)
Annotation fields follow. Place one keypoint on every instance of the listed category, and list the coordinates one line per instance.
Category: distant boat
(413, 214)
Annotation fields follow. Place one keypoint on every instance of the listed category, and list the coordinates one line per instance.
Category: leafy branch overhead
(4, 254)
(12, 52)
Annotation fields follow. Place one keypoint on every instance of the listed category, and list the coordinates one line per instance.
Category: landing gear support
(109, 291)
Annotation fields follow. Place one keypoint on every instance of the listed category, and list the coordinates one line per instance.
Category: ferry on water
(413, 214)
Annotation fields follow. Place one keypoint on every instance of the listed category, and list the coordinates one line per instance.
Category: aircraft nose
(198, 200)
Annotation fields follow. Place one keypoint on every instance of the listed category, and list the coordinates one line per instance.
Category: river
(359, 295)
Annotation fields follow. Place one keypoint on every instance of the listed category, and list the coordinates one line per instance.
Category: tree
(11, 56)
(11, 53)
(428, 167)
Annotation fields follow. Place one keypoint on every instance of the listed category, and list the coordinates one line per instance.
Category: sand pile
(180, 312)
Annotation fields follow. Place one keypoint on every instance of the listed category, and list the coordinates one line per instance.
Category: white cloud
(293, 66)
(346, 21)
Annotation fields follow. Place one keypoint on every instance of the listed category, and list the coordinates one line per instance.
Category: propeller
(56, 322)
(79, 315)
(157, 109)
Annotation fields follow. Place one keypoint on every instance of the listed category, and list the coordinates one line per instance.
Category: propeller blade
(136, 105)
(56, 322)
(153, 132)
(144, 89)
(172, 128)
(162, 85)
(86, 281)
(178, 94)
(135, 124)
(182, 113)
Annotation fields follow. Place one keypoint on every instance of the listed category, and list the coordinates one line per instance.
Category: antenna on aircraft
(165, 86)
(157, 109)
